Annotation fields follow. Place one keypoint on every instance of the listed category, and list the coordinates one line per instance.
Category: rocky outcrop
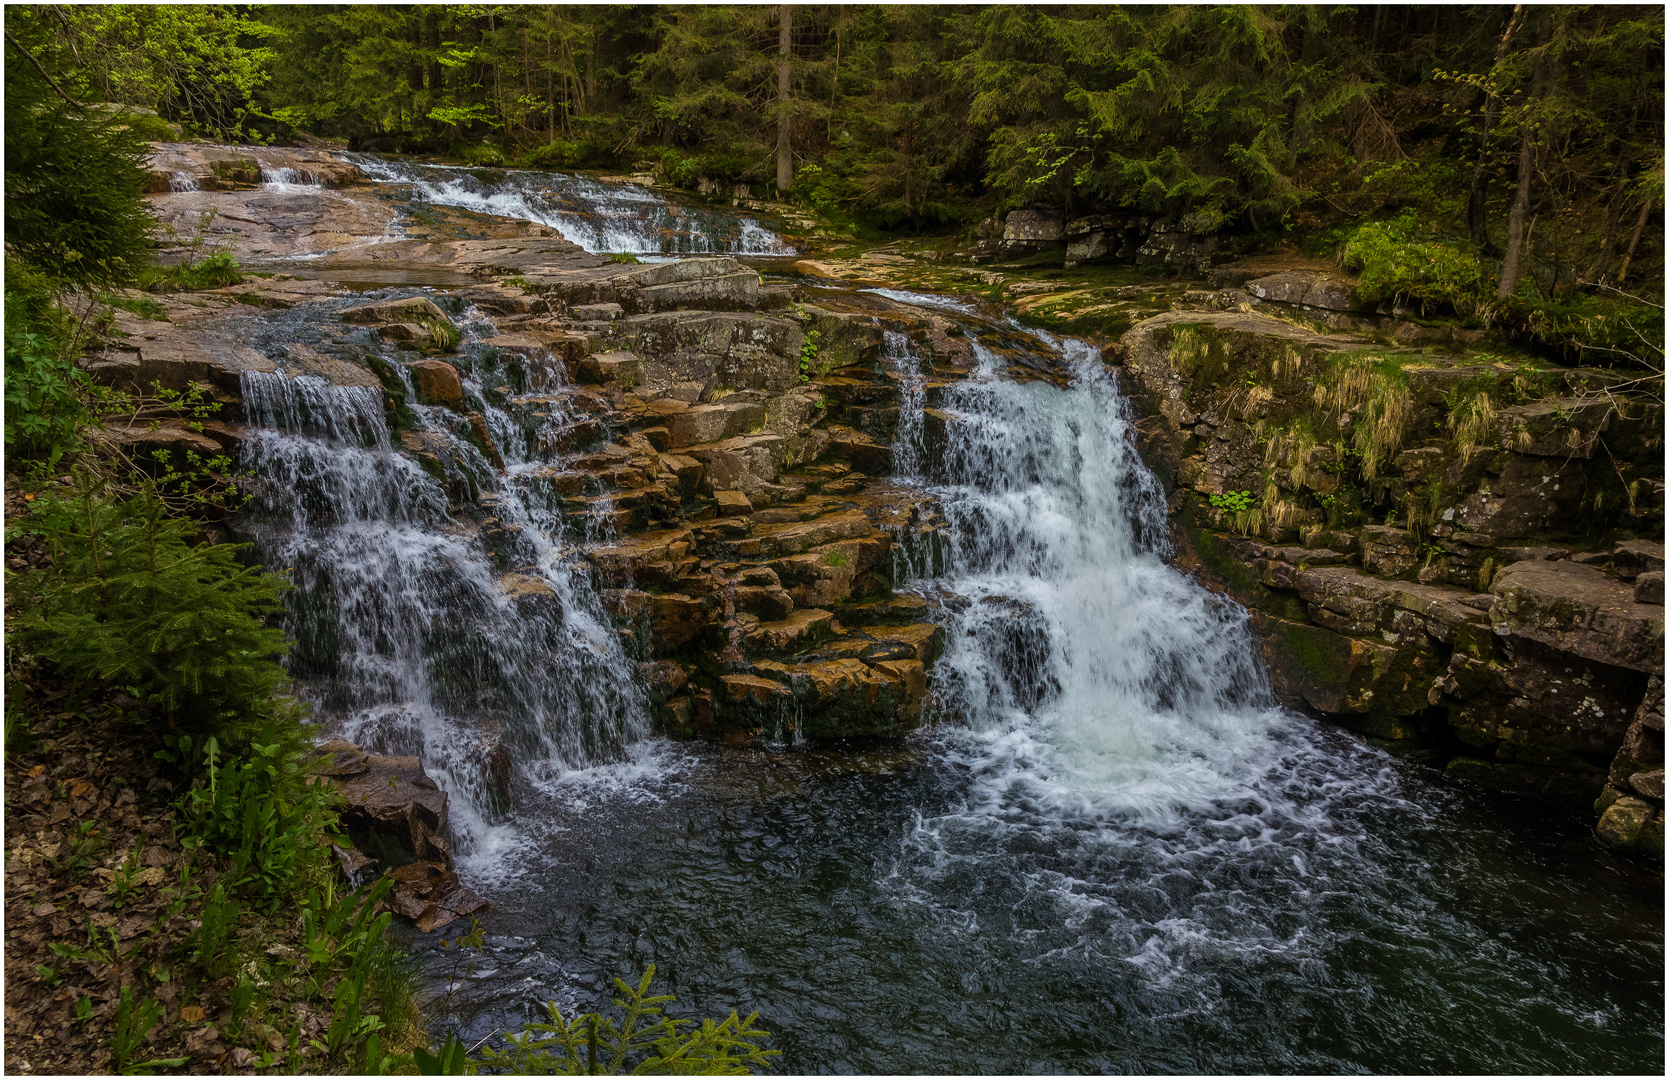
(395, 817)
(1465, 582)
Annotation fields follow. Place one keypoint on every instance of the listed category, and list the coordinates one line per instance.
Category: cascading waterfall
(598, 216)
(414, 635)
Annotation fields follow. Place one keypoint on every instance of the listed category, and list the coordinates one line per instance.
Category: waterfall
(1097, 678)
(596, 215)
(475, 643)
(281, 176)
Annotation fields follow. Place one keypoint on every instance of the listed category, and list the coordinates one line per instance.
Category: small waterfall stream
(598, 216)
(414, 633)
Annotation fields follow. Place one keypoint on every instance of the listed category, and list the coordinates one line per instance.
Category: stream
(1116, 853)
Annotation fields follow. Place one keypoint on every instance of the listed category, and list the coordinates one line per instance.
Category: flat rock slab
(1579, 610)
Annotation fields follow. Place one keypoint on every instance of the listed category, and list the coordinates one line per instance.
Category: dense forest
(1460, 155)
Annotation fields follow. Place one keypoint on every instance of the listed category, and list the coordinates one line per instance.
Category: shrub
(642, 1041)
(1396, 262)
(46, 395)
(75, 182)
(131, 601)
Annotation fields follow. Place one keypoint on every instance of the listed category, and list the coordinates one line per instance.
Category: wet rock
(437, 383)
(412, 309)
(392, 809)
(1621, 824)
(796, 633)
(430, 895)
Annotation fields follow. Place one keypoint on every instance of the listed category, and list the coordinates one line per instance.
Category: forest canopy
(1529, 137)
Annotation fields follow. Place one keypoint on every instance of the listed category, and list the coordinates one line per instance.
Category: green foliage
(641, 1041)
(217, 271)
(443, 336)
(134, 1020)
(1237, 501)
(131, 600)
(47, 396)
(808, 355)
(263, 815)
(1401, 260)
(74, 186)
(623, 257)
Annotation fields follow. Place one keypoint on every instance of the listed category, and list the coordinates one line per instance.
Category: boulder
(1305, 288)
(1635, 557)
(393, 811)
(430, 895)
(1031, 229)
(437, 383)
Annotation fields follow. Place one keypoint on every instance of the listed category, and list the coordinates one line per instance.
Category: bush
(560, 154)
(131, 601)
(75, 182)
(1396, 262)
(46, 395)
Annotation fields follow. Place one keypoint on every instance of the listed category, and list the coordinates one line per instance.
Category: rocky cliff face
(1456, 555)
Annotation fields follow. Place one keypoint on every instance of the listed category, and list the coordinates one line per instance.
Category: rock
(1030, 229)
(732, 503)
(1634, 557)
(1087, 248)
(1579, 610)
(430, 895)
(1648, 587)
(799, 631)
(1649, 784)
(438, 383)
(596, 312)
(1620, 826)
(412, 309)
(618, 367)
(731, 292)
(392, 802)
(1560, 428)
(1307, 289)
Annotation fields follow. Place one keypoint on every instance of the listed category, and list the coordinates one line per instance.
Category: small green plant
(262, 814)
(1237, 501)
(122, 885)
(624, 257)
(134, 1020)
(132, 601)
(640, 1041)
(834, 558)
(443, 336)
(808, 357)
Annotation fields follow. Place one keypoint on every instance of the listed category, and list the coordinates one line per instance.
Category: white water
(407, 641)
(598, 216)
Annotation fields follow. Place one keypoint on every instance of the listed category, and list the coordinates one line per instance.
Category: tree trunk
(436, 78)
(1515, 221)
(785, 152)
(1476, 224)
(1639, 230)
